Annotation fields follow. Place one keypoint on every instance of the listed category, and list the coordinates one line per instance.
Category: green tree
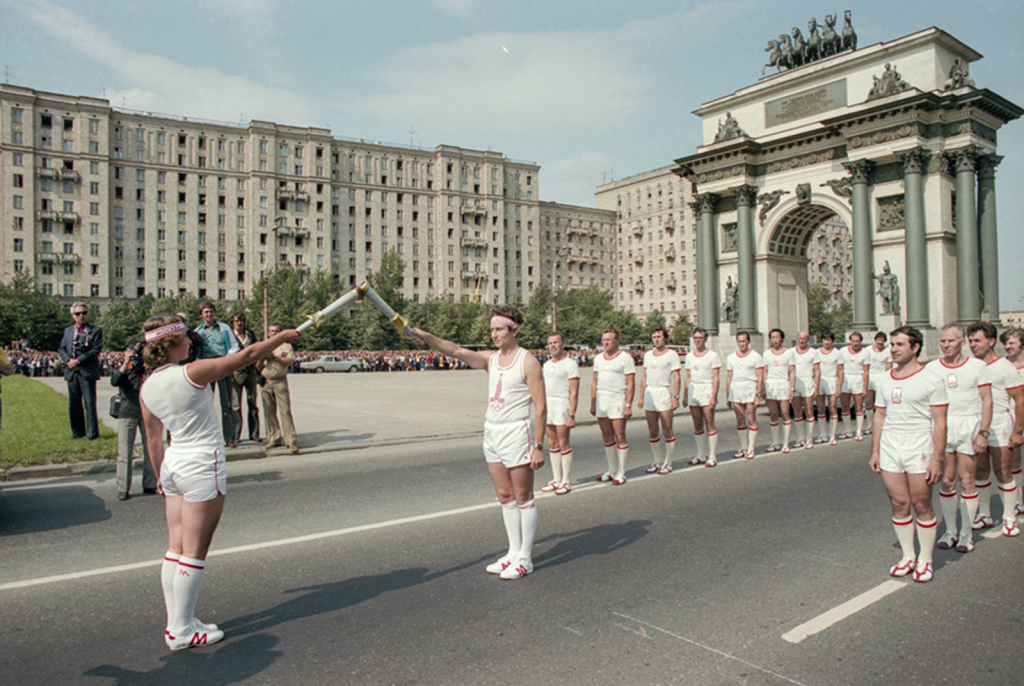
(819, 319)
(120, 324)
(682, 330)
(27, 314)
(655, 319)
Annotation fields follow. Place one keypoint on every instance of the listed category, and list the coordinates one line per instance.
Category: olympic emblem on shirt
(897, 396)
(951, 381)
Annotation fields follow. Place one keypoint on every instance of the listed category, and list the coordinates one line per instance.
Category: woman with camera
(127, 379)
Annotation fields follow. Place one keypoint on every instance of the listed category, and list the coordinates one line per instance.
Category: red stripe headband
(177, 327)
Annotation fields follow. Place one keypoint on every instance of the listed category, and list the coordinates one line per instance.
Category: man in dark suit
(80, 351)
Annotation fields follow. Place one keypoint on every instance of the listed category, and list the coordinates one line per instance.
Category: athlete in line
(831, 367)
(744, 385)
(562, 386)
(880, 361)
(659, 398)
(701, 395)
(969, 417)
(611, 400)
(808, 376)
(1007, 429)
(907, 447)
(855, 360)
(1013, 342)
(780, 382)
(514, 383)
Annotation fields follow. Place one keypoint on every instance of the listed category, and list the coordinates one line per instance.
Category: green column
(965, 162)
(915, 244)
(746, 317)
(987, 235)
(707, 263)
(863, 282)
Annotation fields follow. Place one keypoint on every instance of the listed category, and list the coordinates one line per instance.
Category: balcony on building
(638, 230)
(580, 231)
(47, 172)
(69, 175)
(639, 259)
(70, 217)
(46, 256)
(473, 210)
(286, 193)
(472, 276)
(68, 258)
(639, 286)
(669, 225)
(670, 253)
(472, 242)
(670, 283)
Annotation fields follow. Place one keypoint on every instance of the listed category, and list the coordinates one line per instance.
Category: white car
(330, 363)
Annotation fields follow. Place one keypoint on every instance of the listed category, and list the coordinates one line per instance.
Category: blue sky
(590, 90)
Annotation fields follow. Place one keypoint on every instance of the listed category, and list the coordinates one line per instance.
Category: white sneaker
(499, 566)
(519, 569)
(196, 636)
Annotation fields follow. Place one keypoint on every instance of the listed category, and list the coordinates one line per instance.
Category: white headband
(177, 327)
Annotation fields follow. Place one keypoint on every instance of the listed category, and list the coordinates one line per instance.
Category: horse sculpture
(775, 58)
(849, 35)
(813, 49)
(799, 48)
(830, 42)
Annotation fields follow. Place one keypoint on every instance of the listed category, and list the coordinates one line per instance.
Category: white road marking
(841, 612)
(709, 648)
(572, 631)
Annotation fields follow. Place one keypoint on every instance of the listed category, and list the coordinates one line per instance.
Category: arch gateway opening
(893, 143)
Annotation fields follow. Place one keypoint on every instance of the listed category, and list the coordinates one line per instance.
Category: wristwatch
(984, 432)
(1020, 431)
(538, 446)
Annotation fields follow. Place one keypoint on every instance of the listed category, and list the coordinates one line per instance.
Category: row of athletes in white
(986, 406)
(937, 423)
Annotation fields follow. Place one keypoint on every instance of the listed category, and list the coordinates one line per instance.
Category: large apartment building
(655, 241)
(101, 203)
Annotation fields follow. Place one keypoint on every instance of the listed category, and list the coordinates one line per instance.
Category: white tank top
(508, 396)
(185, 409)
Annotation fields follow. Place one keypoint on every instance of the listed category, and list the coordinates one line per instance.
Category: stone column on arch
(863, 283)
(987, 235)
(707, 263)
(915, 162)
(746, 201)
(965, 163)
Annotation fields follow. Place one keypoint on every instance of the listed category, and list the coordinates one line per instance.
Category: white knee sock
(712, 444)
(556, 465)
(609, 453)
(860, 423)
(1008, 493)
(985, 498)
(513, 527)
(699, 439)
(926, 539)
(741, 434)
(810, 431)
(188, 577)
(775, 433)
(566, 465)
(1018, 477)
(786, 426)
(799, 428)
(655, 450)
(167, 572)
(948, 505)
(528, 526)
(968, 510)
(751, 439)
(623, 451)
(846, 421)
(670, 449)
(905, 535)
(835, 425)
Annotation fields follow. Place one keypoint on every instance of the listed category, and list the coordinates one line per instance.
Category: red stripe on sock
(609, 445)
(1011, 489)
(906, 523)
(185, 564)
(655, 440)
(987, 484)
(670, 440)
(624, 447)
(1015, 471)
(698, 433)
(972, 496)
(929, 525)
(948, 495)
(713, 433)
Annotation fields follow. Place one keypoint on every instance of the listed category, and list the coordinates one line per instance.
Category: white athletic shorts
(902, 453)
(960, 431)
(558, 411)
(699, 395)
(828, 386)
(197, 474)
(1000, 431)
(777, 389)
(873, 380)
(742, 392)
(804, 387)
(611, 404)
(508, 443)
(853, 383)
(657, 399)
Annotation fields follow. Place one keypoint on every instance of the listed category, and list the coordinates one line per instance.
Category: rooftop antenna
(412, 132)
(7, 74)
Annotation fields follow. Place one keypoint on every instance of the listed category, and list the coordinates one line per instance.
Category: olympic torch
(354, 295)
(396, 319)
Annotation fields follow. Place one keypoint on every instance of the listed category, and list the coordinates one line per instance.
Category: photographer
(128, 380)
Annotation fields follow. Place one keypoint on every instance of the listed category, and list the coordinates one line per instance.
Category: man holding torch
(512, 447)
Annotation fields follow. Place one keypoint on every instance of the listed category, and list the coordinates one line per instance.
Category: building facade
(655, 243)
(103, 203)
(830, 259)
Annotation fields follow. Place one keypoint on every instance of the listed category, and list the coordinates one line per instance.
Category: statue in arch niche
(888, 290)
(731, 295)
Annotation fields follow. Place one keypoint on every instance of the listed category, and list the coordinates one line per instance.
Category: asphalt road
(365, 566)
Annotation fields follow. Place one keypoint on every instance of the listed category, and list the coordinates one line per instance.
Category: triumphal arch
(894, 139)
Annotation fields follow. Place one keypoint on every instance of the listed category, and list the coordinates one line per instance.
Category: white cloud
(573, 179)
(162, 85)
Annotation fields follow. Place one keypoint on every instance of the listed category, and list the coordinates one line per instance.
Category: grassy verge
(36, 430)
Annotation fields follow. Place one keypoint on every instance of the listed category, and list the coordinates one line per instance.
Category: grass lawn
(36, 429)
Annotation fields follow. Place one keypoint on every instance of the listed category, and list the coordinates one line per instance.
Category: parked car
(330, 363)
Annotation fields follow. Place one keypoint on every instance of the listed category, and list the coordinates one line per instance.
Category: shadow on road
(34, 510)
(230, 663)
(598, 540)
(317, 600)
(309, 438)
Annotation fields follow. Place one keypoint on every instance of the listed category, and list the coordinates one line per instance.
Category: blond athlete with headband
(514, 383)
(190, 472)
